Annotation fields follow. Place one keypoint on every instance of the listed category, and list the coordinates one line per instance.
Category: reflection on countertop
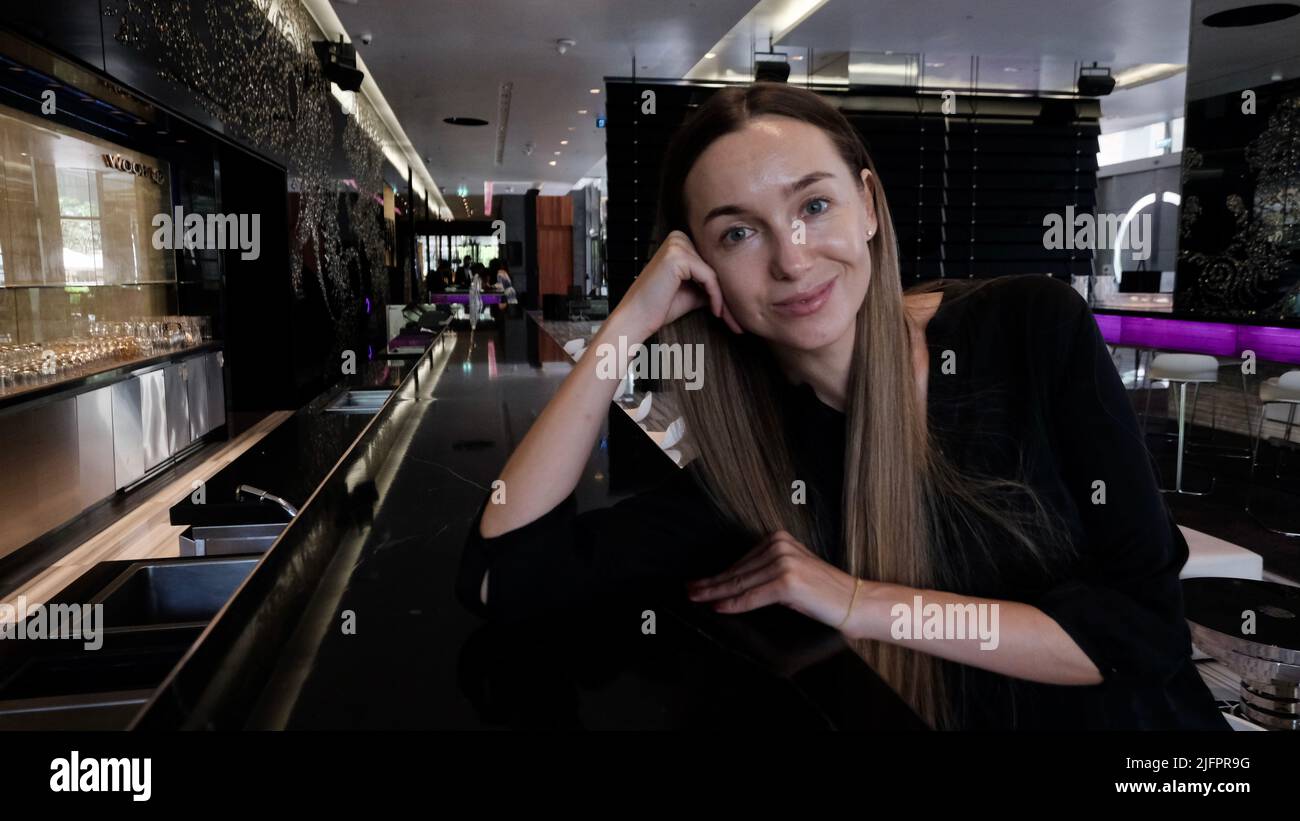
(293, 459)
(378, 547)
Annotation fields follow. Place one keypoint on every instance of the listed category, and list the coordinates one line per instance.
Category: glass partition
(76, 232)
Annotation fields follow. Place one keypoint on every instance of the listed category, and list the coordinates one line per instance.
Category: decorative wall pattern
(251, 65)
(1240, 222)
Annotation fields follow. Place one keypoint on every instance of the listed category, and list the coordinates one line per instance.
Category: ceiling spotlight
(564, 142)
(339, 63)
(771, 71)
(710, 56)
(796, 56)
(552, 162)
(563, 46)
(528, 149)
(557, 153)
(1095, 81)
(595, 91)
(582, 111)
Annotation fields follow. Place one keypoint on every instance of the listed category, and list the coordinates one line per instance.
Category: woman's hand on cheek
(675, 282)
(779, 570)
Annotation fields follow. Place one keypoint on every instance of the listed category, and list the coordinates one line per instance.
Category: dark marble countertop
(294, 458)
(351, 620)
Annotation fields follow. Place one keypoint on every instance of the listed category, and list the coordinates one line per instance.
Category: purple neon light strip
(1188, 336)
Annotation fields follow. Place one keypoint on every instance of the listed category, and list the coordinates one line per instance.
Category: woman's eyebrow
(793, 188)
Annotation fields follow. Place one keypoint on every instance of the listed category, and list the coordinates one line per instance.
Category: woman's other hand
(779, 570)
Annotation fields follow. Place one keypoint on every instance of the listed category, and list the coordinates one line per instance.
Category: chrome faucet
(265, 496)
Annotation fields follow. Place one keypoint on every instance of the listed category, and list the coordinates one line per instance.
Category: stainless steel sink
(359, 401)
(189, 591)
(226, 540)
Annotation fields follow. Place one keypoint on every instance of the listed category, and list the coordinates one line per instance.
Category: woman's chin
(812, 336)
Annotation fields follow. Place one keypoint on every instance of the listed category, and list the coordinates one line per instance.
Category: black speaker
(555, 306)
(1140, 282)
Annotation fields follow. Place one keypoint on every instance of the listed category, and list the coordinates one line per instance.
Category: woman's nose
(791, 257)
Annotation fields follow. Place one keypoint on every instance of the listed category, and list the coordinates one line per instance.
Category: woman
(475, 294)
(972, 447)
(503, 279)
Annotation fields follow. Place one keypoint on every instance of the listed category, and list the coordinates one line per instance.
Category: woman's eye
(817, 206)
(736, 234)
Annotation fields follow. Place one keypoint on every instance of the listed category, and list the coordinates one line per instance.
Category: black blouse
(1035, 395)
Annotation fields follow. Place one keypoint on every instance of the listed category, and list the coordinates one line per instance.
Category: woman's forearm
(1011, 638)
(546, 466)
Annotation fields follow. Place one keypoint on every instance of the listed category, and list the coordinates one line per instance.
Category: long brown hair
(903, 504)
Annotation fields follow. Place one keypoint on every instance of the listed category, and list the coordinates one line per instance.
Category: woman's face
(784, 222)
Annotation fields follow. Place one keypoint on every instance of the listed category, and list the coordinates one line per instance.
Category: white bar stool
(1279, 390)
(1184, 369)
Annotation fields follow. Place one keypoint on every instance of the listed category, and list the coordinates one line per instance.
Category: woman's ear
(869, 200)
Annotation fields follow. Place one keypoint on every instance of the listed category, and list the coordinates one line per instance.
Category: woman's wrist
(620, 323)
(871, 614)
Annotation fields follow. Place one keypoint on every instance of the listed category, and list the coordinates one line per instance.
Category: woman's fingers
(698, 270)
(731, 582)
(740, 584)
(760, 595)
(742, 564)
(777, 547)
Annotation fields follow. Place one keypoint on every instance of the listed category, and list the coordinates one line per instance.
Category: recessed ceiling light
(595, 91)
(582, 111)
(1010, 69)
(796, 56)
(557, 153)
(552, 162)
(571, 128)
(1253, 15)
(564, 142)
(710, 56)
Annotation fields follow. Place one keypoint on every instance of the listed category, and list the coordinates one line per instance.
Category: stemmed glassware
(23, 365)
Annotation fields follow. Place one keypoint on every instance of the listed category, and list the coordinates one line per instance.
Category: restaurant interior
(284, 283)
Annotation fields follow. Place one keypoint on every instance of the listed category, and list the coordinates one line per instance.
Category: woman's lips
(808, 305)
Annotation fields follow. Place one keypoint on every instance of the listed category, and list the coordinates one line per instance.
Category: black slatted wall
(968, 191)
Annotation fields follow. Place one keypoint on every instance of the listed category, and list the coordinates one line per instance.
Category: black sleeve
(649, 543)
(1125, 608)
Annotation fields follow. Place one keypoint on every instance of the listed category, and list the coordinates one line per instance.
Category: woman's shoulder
(1040, 306)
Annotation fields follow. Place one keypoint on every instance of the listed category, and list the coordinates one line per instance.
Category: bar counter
(351, 619)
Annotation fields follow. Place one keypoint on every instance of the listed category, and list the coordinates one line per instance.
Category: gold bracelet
(856, 584)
